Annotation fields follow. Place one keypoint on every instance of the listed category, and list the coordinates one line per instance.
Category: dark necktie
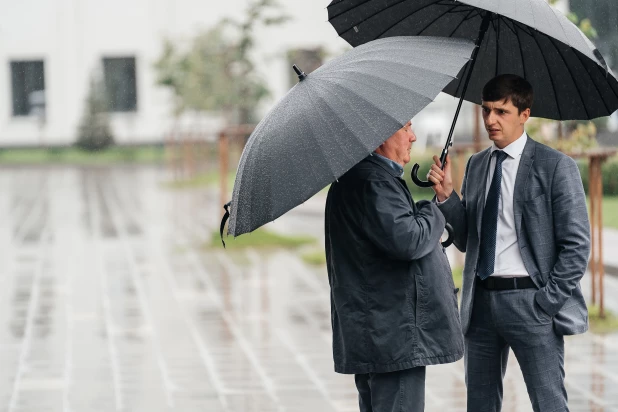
(489, 228)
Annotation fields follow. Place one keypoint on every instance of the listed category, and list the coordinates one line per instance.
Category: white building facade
(50, 49)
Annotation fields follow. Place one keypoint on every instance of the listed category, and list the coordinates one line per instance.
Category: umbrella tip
(301, 74)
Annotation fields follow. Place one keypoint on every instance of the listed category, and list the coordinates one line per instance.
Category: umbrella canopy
(336, 116)
(529, 38)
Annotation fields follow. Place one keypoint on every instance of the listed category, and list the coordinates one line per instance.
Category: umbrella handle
(415, 178)
(451, 237)
(226, 216)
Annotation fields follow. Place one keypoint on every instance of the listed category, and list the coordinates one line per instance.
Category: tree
(216, 73)
(94, 132)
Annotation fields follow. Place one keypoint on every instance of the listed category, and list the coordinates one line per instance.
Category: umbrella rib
(552, 41)
(460, 86)
(367, 123)
(372, 58)
(526, 29)
(351, 8)
(309, 95)
(387, 81)
(382, 11)
(374, 88)
(550, 77)
(315, 176)
(496, 27)
(521, 52)
(532, 14)
(379, 11)
(428, 24)
(396, 83)
(377, 109)
(595, 84)
(557, 15)
(415, 65)
(466, 18)
(399, 21)
(252, 145)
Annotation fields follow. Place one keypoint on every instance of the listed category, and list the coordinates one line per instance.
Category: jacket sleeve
(390, 223)
(571, 234)
(454, 210)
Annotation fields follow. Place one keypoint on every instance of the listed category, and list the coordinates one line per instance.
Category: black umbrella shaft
(479, 40)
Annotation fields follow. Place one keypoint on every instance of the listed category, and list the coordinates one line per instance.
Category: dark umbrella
(333, 118)
(529, 38)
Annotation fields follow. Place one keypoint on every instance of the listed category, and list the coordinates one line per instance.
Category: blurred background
(121, 126)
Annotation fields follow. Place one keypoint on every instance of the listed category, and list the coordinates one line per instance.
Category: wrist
(444, 196)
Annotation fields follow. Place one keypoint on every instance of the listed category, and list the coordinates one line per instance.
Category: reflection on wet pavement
(108, 304)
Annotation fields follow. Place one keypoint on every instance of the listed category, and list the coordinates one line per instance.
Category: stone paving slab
(109, 303)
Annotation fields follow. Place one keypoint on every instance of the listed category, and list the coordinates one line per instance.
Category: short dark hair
(509, 87)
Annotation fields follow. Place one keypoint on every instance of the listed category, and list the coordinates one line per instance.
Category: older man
(393, 302)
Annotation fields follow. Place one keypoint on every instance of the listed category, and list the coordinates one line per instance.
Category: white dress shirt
(508, 258)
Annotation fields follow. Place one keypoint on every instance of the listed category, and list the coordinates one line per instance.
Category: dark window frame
(27, 76)
(120, 79)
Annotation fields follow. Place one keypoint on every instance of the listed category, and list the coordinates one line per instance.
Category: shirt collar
(390, 163)
(515, 149)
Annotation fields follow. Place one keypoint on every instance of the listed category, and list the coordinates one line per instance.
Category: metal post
(477, 128)
(599, 213)
(592, 188)
(223, 166)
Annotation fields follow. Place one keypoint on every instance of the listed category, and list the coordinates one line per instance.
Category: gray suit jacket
(552, 226)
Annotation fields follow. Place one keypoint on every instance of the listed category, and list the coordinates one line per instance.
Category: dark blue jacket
(393, 301)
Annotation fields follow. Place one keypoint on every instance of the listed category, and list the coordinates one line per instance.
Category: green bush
(610, 175)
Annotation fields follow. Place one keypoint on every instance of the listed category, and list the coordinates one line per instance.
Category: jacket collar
(514, 149)
(394, 169)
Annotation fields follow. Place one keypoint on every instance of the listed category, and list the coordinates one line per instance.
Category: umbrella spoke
(602, 75)
(359, 121)
(521, 51)
(575, 81)
(466, 18)
(407, 16)
(375, 93)
(327, 153)
(594, 83)
(420, 71)
(431, 22)
(551, 78)
(495, 23)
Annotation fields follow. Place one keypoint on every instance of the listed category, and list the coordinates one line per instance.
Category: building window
(28, 83)
(120, 84)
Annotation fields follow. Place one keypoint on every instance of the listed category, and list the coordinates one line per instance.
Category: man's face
(397, 147)
(503, 122)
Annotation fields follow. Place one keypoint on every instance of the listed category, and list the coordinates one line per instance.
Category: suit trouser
(401, 391)
(511, 319)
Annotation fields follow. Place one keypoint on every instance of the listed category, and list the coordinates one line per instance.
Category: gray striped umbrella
(335, 117)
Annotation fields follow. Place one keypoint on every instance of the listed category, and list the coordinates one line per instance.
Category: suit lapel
(482, 178)
(525, 166)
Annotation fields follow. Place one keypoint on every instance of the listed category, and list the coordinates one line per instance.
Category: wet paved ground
(108, 303)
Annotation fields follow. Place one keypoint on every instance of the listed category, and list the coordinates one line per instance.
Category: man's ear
(524, 116)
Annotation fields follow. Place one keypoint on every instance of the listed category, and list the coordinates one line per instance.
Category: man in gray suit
(523, 224)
